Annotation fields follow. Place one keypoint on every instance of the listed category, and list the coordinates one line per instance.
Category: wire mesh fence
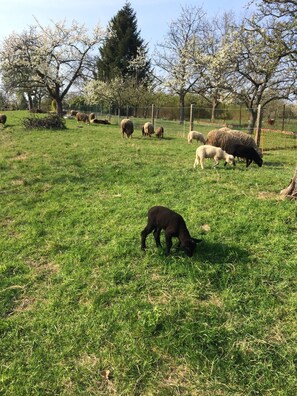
(278, 128)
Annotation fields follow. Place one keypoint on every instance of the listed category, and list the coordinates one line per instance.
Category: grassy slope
(85, 312)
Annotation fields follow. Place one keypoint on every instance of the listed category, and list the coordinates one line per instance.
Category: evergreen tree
(122, 45)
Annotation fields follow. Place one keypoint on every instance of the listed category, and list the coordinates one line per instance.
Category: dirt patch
(268, 195)
(20, 156)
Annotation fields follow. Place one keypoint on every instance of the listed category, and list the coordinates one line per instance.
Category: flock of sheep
(219, 144)
(226, 144)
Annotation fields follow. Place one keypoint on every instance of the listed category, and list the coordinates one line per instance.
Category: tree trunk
(30, 101)
(291, 190)
(181, 108)
(59, 108)
(252, 121)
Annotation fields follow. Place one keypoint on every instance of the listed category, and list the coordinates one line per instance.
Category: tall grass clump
(85, 312)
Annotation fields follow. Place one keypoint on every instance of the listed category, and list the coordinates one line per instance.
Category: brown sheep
(127, 127)
(148, 129)
(82, 117)
(227, 138)
(3, 119)
(160, 132)
(73, 113)
(97, 121)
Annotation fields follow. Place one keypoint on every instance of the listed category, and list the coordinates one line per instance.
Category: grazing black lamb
(161, 218)
(249, 153)
(3, 119)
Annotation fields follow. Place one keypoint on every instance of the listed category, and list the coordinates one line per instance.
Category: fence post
(191, 117)
(283, 116)
(258, 125)
(153, 115)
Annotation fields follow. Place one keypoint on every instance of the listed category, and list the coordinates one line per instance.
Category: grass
(85, 312)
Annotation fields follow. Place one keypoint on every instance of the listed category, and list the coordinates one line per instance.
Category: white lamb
(197, 136)
(207, 151)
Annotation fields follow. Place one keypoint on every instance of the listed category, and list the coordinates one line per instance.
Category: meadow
(85, 312)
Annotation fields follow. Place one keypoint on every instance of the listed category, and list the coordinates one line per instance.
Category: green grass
(85, 312)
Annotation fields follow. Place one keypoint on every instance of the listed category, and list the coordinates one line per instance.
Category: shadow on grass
(277, 164)
(221, 253)
(212, 253)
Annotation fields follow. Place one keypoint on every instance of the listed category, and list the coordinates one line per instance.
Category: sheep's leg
(216, 162)
(144, 233)
(168, 239)
(157, 232)
(201, 163)
(195, 163)
(248, 162)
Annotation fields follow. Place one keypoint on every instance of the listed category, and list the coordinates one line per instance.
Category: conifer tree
(122, 45)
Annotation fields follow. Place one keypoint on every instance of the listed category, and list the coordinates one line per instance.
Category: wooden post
(283, 116)
(153, 115)
(191, 117)
(258, 125)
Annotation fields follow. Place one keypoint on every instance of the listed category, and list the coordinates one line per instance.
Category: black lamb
(249, 153)
(161, 218)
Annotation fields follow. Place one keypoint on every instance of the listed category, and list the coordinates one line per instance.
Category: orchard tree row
(251, 62)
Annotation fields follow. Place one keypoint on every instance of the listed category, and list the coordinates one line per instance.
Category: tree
(217, 71)
(122, 45)
(51, 58)
(121, 91)
(174, 57)
(281, 15)
(291, 190)
(261, 73)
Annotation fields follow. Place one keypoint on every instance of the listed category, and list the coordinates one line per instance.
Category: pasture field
(85, 312)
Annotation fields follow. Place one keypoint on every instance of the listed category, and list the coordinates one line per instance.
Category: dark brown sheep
(161, 218)
(3, 119)
(246, 152)
(96, 121)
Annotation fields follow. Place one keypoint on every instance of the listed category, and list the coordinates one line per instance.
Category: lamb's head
(230, 159)
(189, 246)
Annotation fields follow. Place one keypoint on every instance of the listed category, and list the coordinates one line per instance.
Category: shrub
(53, 121)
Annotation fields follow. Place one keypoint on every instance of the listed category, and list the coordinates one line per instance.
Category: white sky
(153, 16)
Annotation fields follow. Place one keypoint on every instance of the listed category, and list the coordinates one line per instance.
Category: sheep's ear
(195, 240)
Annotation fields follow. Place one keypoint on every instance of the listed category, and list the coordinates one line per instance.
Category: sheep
(97, 121)
(160, 132)
(127, 127)
(197, 136)
(162, 218)
(92, 116)
(207, 151)
(3, 119)
(249, 153)
(148, 129)
(73, 113)
(82, 117)
(226, 138)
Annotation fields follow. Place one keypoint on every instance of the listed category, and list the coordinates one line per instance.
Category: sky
(153, 16)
